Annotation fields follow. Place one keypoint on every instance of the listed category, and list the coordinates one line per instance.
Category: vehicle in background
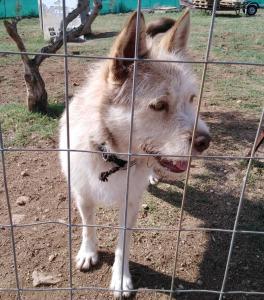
(250, 8)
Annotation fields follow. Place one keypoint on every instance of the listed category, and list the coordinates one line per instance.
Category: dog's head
(164, 107)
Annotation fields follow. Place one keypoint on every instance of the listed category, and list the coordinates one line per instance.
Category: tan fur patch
(176, 38)
(124, 47)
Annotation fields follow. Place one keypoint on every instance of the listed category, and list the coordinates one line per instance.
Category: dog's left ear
(176, 38)
(124, 46)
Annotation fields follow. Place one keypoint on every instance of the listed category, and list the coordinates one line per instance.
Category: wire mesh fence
(71, 288)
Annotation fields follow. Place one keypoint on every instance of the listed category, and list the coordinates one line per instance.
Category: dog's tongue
(175, 167)
(182, 165)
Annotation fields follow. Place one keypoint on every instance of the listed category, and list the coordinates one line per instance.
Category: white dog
(99, 118)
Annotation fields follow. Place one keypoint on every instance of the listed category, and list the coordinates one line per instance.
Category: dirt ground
(212, 199)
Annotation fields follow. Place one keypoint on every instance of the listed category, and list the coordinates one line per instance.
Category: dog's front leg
(87, 254)
(117, 267)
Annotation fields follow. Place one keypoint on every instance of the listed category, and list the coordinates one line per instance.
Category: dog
(99, 121)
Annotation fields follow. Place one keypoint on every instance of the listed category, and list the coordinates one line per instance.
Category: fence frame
(71, 289)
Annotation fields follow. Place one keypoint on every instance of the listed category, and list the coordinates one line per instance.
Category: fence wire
(123, 227)
(66, 80)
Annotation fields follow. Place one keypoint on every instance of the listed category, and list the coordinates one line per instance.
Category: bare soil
(12, 82)
(212, 199)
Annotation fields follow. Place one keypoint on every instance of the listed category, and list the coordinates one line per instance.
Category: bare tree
(87, 15)
(37, 97)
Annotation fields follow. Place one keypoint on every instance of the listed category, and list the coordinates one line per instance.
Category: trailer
(247, 6)
(226, 5)
(250, 8)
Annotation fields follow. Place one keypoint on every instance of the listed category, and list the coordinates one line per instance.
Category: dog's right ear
(124, 46)
(176, 38)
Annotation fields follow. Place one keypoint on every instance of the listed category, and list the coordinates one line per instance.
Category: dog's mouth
(177, 166)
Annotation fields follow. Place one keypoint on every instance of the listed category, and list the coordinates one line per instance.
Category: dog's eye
(192, 98)
(159, 106)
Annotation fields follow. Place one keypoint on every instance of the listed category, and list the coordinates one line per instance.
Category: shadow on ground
(232, 131)
(247, 262)
(102, 35)
(218, 210)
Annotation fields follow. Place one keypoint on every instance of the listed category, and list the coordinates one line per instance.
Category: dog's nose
(201, 141)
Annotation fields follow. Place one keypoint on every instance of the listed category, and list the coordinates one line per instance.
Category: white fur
(167, 134)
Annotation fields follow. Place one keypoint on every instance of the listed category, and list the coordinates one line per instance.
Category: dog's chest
(114, 191)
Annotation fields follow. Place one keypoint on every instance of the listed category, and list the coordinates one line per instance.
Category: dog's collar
(119, 164)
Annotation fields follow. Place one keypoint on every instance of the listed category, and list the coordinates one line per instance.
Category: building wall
(24, 8)
(21, 8)
(119, 6)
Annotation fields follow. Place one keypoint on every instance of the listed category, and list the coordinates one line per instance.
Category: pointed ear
(124, 46)
(176, 38)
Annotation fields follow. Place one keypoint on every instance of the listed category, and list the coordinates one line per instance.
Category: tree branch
(37, 98)
(70, 35)
(93, 15)
(53, 48)
(11, 29)
(82, 5)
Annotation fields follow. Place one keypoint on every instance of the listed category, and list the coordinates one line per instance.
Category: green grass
(239, 39)
(21, 127)
(30, 33)
(238, 87)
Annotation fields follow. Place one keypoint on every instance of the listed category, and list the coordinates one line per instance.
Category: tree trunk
(37, 100)
(37, 97)
(86, 10)
(87, 29)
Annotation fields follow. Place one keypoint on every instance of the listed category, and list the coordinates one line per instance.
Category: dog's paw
(153, 179)
(116, 285)
(86, 259)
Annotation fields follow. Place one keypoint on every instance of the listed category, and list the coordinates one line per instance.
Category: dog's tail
(159, 26)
